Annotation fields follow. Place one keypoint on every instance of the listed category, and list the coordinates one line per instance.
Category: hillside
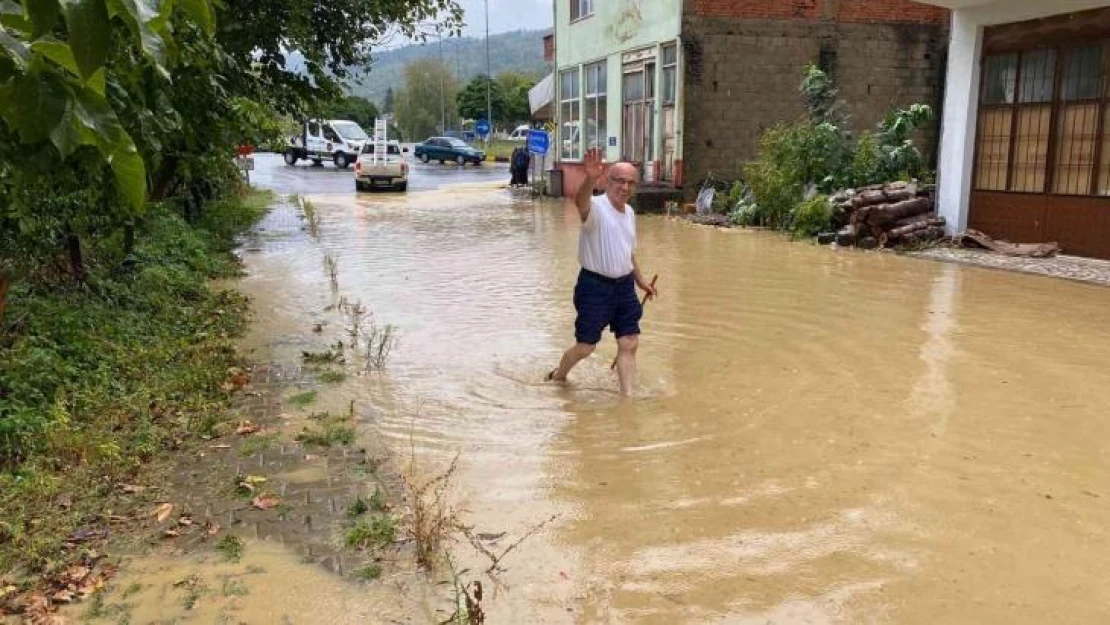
(519, 51)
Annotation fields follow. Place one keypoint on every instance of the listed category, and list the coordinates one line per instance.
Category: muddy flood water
(819, 436)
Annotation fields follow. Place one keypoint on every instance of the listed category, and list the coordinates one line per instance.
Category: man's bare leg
(626, 362)
(572, 357)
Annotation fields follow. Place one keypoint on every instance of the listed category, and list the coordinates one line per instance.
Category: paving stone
(1090, 270)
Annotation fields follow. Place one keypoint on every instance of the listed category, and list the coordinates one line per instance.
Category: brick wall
(743, 73)
(865, 11)
(889, 12)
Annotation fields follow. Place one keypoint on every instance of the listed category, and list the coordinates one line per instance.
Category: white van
(520, 134)
(337, 140)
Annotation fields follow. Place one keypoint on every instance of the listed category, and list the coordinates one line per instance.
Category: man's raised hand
(594, 166)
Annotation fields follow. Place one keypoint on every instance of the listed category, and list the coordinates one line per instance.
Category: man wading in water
(605, 295)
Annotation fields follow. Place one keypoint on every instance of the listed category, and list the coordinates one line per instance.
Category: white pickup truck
(386, 168)
(337, 140)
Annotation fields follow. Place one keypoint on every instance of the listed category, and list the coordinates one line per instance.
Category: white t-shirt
(607, 239)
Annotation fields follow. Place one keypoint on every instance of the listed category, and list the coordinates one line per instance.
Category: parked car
(520, 134)
(445, 149)
(335, 140)
(389, 169)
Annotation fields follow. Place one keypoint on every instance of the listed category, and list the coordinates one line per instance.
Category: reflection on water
(820, 437)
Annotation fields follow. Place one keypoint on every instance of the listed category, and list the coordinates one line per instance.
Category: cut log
(867, 243)
(886, 214)
(904, 230)
(847, 236)
(932, 233)
(974, 238)
(869, 198)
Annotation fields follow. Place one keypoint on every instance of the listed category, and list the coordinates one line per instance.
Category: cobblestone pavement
(1089, 270)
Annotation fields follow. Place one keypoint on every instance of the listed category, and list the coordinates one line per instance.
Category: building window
(596, 108)
(1043, 122)
(580, 9)
(670, 73)
(570, 115)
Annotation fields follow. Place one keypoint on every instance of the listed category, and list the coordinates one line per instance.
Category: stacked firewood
(885, 215)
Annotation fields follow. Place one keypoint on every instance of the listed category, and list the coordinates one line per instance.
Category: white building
(1025, 138)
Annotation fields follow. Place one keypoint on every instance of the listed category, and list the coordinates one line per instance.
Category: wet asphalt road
(271, 172)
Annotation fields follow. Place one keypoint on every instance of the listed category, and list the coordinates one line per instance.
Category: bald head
(623, 178)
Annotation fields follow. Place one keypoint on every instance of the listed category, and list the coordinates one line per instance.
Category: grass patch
(100, 380)
(334, 355)
(231, 548)
(332, 377)
(377, 531)
(255, 445)
(330, 435)
(370, 573)
(303, 399)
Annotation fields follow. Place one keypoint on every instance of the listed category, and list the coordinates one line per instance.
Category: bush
(99, 378)
(812, 217)
(815, 153)
(775, 195)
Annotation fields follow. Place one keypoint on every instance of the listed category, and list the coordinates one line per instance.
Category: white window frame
(575, 100)
(581, 9)
(594, 103)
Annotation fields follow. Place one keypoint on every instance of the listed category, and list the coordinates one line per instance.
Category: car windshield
(457, 143)
(350, 131)
(390, 148)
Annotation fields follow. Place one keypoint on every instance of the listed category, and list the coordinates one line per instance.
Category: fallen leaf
(170, 534)
(185, 521)
(162, 512)
(265, 502)
(76, 573)
(247, 428)
(251, 481)
(220, 446)
(213, 529)
(131, 488)
(63, 596)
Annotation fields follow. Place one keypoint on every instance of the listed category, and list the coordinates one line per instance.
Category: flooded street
(819, 437)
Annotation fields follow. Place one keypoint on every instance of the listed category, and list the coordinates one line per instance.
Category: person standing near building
(605, 294)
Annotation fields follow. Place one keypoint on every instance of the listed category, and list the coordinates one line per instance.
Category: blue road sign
(538, 141)
(482, 127)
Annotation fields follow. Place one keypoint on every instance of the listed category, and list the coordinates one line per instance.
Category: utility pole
(489, 81)
(442, 71)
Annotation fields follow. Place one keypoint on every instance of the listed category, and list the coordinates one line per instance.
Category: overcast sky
(506, 15)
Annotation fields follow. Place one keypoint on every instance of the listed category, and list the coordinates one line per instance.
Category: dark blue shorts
(602, 301)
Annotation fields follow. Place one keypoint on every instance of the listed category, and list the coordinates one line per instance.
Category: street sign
(482, 127)
(538, 141)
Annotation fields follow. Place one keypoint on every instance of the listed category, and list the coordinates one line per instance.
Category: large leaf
(200, 11)
(97, 122)
(13, 48)
(36, 105)
(67, 137)
(89, 33)
(97, 81)
(146, 20)
(13, 16)
(58, 52)
(130, 172)
(43, 14)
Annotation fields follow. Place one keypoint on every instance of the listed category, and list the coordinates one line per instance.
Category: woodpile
(899, 213)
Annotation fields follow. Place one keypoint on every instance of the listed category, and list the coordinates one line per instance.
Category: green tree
(359, 110)
(514, 88)
(333, 40)
(472, 99)
(387, 103)
(428, 97)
